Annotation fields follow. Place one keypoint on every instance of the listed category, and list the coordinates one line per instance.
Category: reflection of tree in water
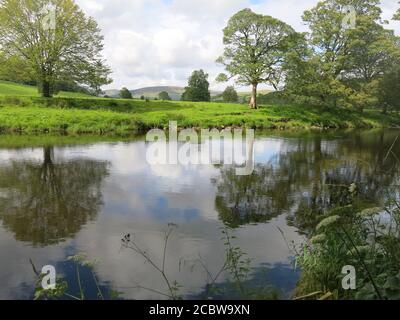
(45, 203)
(309, 177)
(245, 199)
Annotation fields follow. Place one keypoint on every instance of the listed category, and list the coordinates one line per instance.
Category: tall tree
(125, 93)
(164, 95)
(198, 87)
(230, 94)
(389, 89)
(255, 46)
(337, 63)
(56, 39)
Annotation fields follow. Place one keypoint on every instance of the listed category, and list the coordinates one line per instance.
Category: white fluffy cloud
(160, 42)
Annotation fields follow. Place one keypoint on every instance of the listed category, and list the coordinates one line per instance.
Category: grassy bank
(83, 114)
(104, 116)
(14, 89)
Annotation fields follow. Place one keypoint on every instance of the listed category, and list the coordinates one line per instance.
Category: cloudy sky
(160, 42)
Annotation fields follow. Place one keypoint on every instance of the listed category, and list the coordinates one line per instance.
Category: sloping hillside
(152, 92)
(174, 92)
(15, 89)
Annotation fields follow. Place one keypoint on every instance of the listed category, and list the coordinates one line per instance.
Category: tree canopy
(339, 65)
(198, 87)
(164, 95)
(230, 94)
(56, 40)
(125, 93)
(255, 46)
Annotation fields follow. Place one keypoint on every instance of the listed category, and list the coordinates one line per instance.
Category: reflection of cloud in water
(192, 239)
(25, 154)
(142, 199)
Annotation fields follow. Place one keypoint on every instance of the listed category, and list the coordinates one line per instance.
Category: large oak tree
(56, 39)
(255, 46)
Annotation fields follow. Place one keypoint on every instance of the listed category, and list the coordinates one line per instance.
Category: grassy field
(13, 89)
(22, 112)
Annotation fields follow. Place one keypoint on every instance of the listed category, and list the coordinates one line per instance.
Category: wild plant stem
(79, 282)
(362, 263)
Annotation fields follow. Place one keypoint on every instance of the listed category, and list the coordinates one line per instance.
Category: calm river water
(58, 200)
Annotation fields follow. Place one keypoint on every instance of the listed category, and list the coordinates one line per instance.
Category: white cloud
(160, 42)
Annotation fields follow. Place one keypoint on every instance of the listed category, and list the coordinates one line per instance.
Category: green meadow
(8, 89)
(22, 110)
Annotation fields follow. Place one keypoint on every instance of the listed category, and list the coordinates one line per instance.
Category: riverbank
(118, 116)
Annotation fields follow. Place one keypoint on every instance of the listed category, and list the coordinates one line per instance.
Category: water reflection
(48, 196)
(46, 202)
(267, 282)
(307, 177)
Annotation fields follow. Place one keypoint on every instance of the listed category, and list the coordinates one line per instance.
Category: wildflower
(359, 250)
(126, 239)
(318, 238)
(327, 222)
(369, 212)
(353, 188)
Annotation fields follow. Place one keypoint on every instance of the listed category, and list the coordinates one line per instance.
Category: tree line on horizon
(347, 59)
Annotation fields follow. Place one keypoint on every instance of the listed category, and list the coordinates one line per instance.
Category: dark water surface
(58, 199)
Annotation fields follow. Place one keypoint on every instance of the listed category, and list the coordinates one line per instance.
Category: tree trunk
(48, 155)
(46, 89)
(385, 108)
(253, 100)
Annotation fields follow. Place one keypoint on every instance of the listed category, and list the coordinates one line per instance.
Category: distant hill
(152, 92)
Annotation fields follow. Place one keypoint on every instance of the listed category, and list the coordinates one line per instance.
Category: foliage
(397, 15)
(230, 94)
(15, 69)
(68, 48)
(254, 49)
(125, 94)
(366, 239)
(164, 95)
(198, 87)
(337, 66)
(389, 89)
